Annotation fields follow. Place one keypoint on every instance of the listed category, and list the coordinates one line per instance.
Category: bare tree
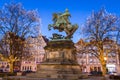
(98, 28)
(16, 24)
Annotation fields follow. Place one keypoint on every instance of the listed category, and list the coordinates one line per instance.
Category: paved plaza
(24, 78)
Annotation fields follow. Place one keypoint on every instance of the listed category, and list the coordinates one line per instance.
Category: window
(90, 60)
(99, 68)
(30, 68)
(27, 67)
(95, 68)
(90, 55)
(23, 68)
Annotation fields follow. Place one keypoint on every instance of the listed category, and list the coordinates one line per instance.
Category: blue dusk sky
(79, 10)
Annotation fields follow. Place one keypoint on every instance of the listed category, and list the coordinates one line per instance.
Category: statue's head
(66, 10)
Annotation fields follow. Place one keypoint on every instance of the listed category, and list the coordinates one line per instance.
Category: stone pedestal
(59, 61)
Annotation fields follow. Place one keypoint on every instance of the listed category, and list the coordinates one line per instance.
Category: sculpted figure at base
(62, 23)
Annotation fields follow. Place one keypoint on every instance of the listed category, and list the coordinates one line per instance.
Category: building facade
(89, 62)
(4, 66)
(35, 48)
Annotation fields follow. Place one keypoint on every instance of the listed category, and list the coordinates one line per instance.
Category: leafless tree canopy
(100, 25)
(14, 18)
(16, 24)
(99, 30)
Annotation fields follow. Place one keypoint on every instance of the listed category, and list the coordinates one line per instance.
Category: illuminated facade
(90, 62)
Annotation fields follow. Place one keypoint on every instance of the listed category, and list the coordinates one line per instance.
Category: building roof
(45, 39)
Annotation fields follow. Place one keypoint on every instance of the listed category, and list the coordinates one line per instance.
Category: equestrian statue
(62, 23)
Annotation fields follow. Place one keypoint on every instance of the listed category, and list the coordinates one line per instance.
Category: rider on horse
(62, 23)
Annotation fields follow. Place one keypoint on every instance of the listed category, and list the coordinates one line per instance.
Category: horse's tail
(75, 26)
(49, 27)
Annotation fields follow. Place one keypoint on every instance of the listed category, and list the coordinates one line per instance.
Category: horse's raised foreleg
(75, 27)
(70, 32)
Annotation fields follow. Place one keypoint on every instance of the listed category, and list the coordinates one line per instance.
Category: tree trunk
(102, 61)
(11, 67)
(103, 64)
(104, 69)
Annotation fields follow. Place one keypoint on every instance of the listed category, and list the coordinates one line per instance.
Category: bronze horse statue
(61, 22)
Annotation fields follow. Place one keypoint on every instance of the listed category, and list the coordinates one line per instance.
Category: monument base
(57, 71)
(59, 63)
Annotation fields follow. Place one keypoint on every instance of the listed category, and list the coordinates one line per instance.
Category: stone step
(58, 71)
(58, 76)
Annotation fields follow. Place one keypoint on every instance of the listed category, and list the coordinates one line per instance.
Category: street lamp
(105, 58)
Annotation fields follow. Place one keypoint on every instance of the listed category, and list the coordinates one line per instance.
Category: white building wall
(28, 66)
